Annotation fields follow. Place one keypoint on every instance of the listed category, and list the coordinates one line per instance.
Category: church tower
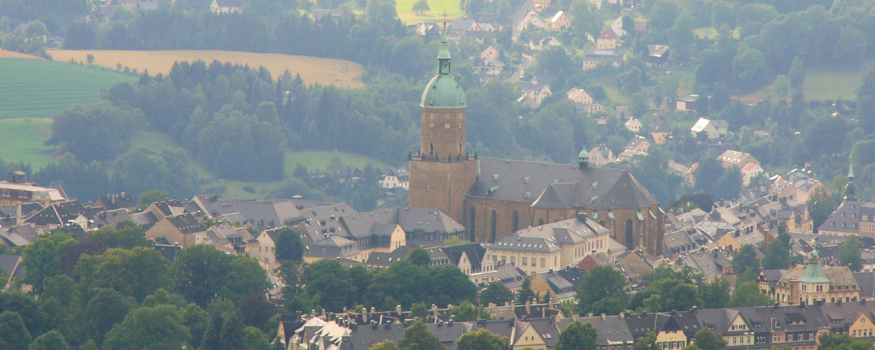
(443, 171)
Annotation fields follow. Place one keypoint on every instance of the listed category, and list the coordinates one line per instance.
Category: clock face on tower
(445, 66)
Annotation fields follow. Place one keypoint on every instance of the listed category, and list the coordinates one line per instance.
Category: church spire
(444, 53)
(851, 189)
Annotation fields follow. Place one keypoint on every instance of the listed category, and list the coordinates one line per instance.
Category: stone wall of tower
(441, 184)
(443, 133)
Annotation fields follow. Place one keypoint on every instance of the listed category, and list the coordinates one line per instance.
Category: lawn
(33, 88)
(319, 160)
(313, 160)
(325, 71)
(438, 8)
(828, 83)
(21, 140)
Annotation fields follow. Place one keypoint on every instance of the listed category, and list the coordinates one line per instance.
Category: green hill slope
(32, 88)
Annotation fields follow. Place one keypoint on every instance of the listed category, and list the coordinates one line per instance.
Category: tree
(418, 337)
(750, 70)
(257, 310)
(330, 280)
(201, 273)
(820, 206)
(578, 336)
(647, 342)
(849, 254)
(126, 235)
(52, 340)
(797, 73)
(715, 294)
(421, 6)
(748, 294)
(137, 273)
(385, 345)
(255, 339)
(728, 185)
(288, 245)
(495, 293)
(850, 48)
(778, 253)
(419, 257)
(706, 339)
(105, 309)
(600, 283)
(159, 327)
(525, 294)
(42, 258)
(15, 334)
(482, 340)
(97, 132)
(830, 341)
(709, 172)
(746, 259)
(152, 196)
(233, 332)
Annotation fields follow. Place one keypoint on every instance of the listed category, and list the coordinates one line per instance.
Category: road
(518, 18)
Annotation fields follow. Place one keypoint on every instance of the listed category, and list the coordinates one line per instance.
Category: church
(494, 198)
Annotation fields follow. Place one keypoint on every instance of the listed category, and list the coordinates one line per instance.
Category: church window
(543, 262)
(471, 228)
(447, 126)
(516, 222)
(494, 226)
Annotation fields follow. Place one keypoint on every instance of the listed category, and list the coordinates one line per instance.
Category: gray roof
(57, 214)
(186, 223)
(866, 281)
(8, 264)
(18, 236)
(269, 213)
(603, 55)
(559, 186)
(845, 218)
(611, 330)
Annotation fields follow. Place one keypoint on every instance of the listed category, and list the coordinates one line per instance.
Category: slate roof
(474, 251)
(8, 264)
(866, 281)
(145, 219)
(558, 186)
(57, 214)
(640, 324)
(845, 218)
(117, 201)
(271, 213)
(168, 251)
(18, 236)
(112, 217)
(379, 259)
(186, 223)
(26, 209)
(592, 54)
(612, 331)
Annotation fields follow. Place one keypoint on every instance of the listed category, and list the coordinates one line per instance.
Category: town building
(494, 197)
(16, 190)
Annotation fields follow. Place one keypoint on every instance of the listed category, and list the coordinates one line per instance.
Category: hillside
(325, 71)
(33, 88)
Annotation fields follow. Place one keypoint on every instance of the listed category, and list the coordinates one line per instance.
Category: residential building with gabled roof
(551, 246)
(226, 6)
(18, 236)
(594, 56)
(184, 230)
(560, 22)
(115, 201)
(607, 40)
(561, 284)
(60, 215)
(259, 214)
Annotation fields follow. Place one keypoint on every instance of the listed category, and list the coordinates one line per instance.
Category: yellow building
(811, 283)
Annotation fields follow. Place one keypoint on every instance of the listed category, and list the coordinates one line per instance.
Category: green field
(32, 88)
(21, 140)
(436, 14)
(313, 160)
(827, 83)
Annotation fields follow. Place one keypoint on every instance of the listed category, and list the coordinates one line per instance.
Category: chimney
(622, 314)
(589, 314)
(528, 307)
(512, 305)
(324, 315)
(398, 309)
(775, 307)
(604, 316)
(434, 311)
(574, 317)
(365, 315)
(551, 302)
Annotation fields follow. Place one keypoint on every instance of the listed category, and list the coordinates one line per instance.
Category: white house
(634, 125)
(396, 178)
(749, 171)
(705, 125)
(225, 6)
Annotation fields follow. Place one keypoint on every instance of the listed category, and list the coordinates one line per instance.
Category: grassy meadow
(325, 71)
(35, 88)
(436, 14)
(21, 140)
(828, 83)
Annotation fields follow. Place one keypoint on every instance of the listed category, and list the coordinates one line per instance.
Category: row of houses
(539, 326)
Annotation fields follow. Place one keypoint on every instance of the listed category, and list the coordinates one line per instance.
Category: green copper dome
(443, 91)
(583, 154)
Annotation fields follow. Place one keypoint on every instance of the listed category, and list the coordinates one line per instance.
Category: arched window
(540, 222)
(431, 149)
(472, 236)
(630, 237)
(493, 227)
(460, 149)
(516, 222)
